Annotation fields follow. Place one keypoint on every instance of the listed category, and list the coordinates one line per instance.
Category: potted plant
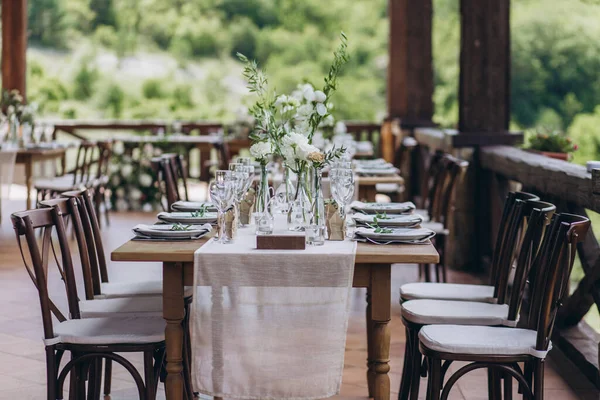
(551, 143)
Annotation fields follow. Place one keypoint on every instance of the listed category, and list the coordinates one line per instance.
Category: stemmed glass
(240, 178)
(221, 191)
(342, 188)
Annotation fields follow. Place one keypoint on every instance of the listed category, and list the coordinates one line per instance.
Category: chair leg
(507, 379)
(538, 380)
(150, 394)
(427, 272)
(51, 373)
(81, 369)
(494, 390)
(107, 377)
(434, 382)
(416, 365)
(92, 373)
(406, 370)
(106, 208)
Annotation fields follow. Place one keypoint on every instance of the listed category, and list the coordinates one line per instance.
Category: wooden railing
(499, 169)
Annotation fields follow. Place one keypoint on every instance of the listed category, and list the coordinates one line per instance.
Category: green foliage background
(82, 53)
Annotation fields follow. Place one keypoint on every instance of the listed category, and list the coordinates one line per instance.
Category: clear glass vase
(263, 214)
(317, 222)
(299, 216)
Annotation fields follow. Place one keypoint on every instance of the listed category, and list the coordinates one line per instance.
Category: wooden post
(14, 45)
(484, 113)
(410, 69)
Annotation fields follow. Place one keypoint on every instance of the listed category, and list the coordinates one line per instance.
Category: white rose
(309, 93)
(304, 150)
(126, 170)
(261, 150)
(135, 194)
(146, 180)
(340, 128)
(321, 109)
(320, 96)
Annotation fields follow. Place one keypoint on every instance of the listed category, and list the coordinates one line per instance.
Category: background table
(367, 185)
(31, 156)
(372, 271)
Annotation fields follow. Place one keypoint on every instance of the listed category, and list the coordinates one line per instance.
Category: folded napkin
(165, 232)
(377, 171)
(397, 235)
(190, 206)
(401, 220)
(187, 218)
(388, 208)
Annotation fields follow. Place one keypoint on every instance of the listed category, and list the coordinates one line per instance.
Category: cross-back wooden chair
(88, 340)
(419, 313)
(169, 174)
(450, 172)
(499, 272)
(500, 349)
(81, 176)
(100, 183)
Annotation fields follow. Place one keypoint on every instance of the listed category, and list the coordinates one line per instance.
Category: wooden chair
(100, 183)
(88, 340)
(402, 155)
(449, 174)
(419, 313)
(499, 273)
(140, 297)
(500, 349)
(170, 176)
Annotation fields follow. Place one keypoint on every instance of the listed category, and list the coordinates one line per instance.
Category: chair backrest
(450, 174)
(538, 214)
(46, 220)
(166, 178)
(91, 231)
(87, 155)
(178, 172)
(431, 180)
(553, 267)
(105, 154)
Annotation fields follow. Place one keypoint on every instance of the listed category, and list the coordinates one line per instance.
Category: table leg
(173, 313)
(217, 338)
(370, 351)
(28, 181)
(378, 323)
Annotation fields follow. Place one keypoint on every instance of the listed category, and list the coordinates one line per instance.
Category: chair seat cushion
(111, 290)
(389, 188)
(428, 312)
(481, 340)
(447, 291)
(437, 227)
(60, 183)
(140, 306)
(132, 330)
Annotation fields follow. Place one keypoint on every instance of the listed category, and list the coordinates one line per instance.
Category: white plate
(376, 171)
(391, 221)
(189, 206)
(389, 208)
(407, 234)
(187, 218)
(165, 232)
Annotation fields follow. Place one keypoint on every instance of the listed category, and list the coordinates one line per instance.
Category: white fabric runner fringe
(270, 324)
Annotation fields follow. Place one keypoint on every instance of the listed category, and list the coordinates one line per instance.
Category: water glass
(221, 192)
(264, 223)
(315, 235)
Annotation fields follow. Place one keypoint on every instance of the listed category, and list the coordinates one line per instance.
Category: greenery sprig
(379, 229)
(200, 212)
(180, 227)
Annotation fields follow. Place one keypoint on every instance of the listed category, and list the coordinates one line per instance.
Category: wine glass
(221, 191)
(240, 178)
(342, 188)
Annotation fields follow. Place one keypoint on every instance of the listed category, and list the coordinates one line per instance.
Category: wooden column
(14, 44)
(484, 114)
(410, 69)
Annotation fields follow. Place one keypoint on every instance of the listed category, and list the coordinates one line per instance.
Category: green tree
(85, 81)
(104, 12)
(47, 23)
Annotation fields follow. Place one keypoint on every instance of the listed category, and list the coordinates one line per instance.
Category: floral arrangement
(132, 180)
(285, 125)
(552, 141)
(12, 104)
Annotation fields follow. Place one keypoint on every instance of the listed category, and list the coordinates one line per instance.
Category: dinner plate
(187, 218)
(165, 232)
(189, 206)
(391, 221)
(399, 234)
(389, 208)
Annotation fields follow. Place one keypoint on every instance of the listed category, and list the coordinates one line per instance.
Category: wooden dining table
(373, 264)
(367, 185)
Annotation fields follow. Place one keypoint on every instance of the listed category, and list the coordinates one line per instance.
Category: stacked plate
(188, 218)
(381, 208)
(392, 221)
(170, 232)
(191, 206)
(394, 235)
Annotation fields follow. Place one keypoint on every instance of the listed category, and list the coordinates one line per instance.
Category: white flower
(135, 194)
(120, 192)
(328, 121)
(304, 150)
(261, 150)
(281, 100)
(320, 97)
(115, 180)
(308, 92)
(118, 148)
(147, 207)
(122, 205)
(10, 110)
(146, 180)
(304, 112)
(321, 109)
(126, 170)
(340, 128)
(297, 95)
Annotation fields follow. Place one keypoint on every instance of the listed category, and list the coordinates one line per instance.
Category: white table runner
(270, 324)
